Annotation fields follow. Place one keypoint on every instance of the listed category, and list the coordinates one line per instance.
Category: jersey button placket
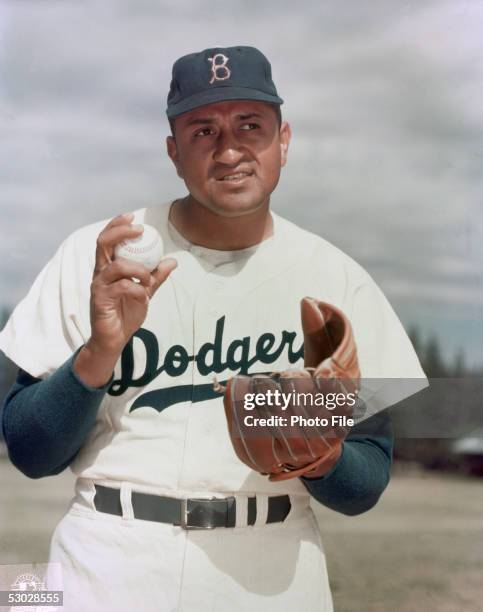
(215, 299)
(208, 309)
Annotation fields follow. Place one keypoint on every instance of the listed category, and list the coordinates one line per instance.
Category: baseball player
(116, 377)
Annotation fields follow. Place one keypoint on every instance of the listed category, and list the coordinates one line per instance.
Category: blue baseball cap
(219, 74)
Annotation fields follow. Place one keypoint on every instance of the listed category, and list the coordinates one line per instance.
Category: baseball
(146, 248)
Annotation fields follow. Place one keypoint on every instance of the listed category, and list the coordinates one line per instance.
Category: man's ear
(285, 135)
(172, 149)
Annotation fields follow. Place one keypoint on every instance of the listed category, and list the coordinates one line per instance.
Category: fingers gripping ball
(146, 248)
(302, 431)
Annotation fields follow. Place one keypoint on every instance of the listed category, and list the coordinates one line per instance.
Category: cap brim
(220, 94)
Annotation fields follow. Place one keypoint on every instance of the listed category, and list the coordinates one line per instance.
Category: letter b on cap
(219, 69)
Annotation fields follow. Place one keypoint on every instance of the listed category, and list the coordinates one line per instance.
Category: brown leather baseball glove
(290, 441)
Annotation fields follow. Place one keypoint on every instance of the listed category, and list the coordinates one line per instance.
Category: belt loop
(241, 509)
(262, 509)
(126, 501)
(85, 492)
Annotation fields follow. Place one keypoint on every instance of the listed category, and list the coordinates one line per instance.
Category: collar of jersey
(215, 256)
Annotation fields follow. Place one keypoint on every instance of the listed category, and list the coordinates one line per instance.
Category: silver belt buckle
(184, 522)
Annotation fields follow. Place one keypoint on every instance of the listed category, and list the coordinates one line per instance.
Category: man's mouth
(235, 176)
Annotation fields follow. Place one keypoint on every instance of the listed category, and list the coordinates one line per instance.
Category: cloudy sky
(385, 103)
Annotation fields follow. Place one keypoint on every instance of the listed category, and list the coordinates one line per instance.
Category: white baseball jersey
(162, 429)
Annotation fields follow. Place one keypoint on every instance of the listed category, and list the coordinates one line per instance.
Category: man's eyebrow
(200, 121)
(250, 116)
(210, 120)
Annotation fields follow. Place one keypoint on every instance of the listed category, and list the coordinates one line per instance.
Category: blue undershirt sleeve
(45, 422)
(358, 479)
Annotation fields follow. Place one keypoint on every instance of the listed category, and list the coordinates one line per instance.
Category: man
(116, 376)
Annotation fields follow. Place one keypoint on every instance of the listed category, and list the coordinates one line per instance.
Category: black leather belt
(191, 513)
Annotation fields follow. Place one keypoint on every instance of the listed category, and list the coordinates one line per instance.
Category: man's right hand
(118, 305)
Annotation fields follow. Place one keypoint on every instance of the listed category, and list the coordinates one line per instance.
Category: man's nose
(228, 149)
